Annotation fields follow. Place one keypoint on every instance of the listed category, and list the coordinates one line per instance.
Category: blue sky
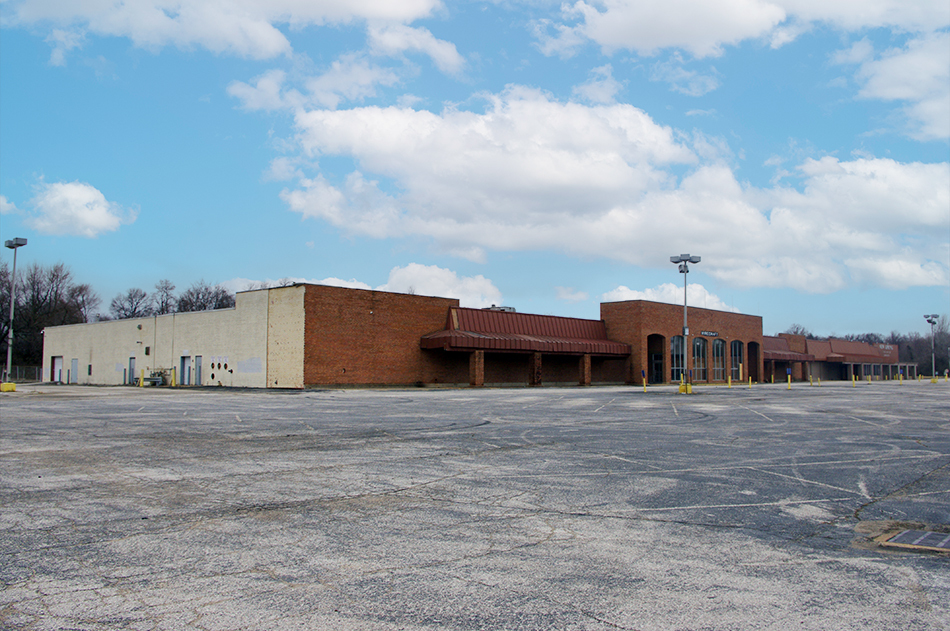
(540, 155)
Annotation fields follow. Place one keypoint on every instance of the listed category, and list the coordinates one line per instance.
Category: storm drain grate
(920, 540)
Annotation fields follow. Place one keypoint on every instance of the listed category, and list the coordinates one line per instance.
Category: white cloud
(697, 296)
(265, 94)
(62, 42)
(919, 74)
(530, 173)
(349, 78)
(688, 82)
(75, 208)
(601, 88)
(569, 295)
(247, 28)
(423, 280)
(430, 280)
(393, 39)
(6, 206)
(703, 28)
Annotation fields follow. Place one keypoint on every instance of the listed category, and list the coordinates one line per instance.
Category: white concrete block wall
(234, 337)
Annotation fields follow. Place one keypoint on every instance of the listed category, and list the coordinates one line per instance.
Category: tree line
(48, 295)
(913, 348)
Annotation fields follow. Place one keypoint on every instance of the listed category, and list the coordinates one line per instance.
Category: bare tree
(164, 299)
(202, 296)
(45, 296)
(134, 303)
(798, 329)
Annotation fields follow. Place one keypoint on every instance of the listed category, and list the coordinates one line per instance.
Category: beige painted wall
(236, 339)
(285, 335)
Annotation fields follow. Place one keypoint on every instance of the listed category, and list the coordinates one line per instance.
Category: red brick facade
(363, 337)
(649, 327)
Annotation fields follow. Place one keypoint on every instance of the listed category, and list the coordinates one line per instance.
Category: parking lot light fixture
(932, 320)
(683, 260)
(13, 244)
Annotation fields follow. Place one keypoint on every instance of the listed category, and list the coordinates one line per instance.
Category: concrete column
(476, 369)
(584, 377)
(534, 370)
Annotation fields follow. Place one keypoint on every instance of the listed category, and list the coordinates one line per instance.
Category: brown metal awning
(777, 349)
(505, 331)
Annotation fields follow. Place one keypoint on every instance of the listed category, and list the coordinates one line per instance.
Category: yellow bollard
(819, 382)
(644, 384)
(174, 377)
(789, 382)
(730, 381)
(142, 379)
(854, 381)
(773, 378)
(811, 380)
(750, 383)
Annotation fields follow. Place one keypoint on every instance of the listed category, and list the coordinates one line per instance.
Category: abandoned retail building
(314, 335)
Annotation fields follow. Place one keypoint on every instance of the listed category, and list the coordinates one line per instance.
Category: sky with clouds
(538, 154)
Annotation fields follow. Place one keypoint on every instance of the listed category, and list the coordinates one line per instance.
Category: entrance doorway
(656, 353)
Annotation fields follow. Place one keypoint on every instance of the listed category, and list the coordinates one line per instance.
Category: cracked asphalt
(553, 508)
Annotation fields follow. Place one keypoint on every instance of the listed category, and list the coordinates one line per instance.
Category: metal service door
(197, 370)
(74, 371)
(186, 370)
(131, 370)
(57, 369)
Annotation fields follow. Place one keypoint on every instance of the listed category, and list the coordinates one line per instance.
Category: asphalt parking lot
(552, 508)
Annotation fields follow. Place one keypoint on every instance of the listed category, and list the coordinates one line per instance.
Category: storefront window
(677, 358)
(719, 360)
(699, 359)
(736, 359)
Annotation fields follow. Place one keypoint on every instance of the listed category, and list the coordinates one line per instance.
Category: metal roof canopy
(468, 329)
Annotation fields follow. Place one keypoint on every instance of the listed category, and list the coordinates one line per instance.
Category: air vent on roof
(496, 308)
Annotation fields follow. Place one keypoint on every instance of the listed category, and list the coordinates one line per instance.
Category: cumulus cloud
(75, 208)
(247, 28)
(917, 74)
(393, 39)
(352, 77)
(704, 28)
(696, 294)
(531, 173)
(431, 280)
(424, 280)
(6, 206)
(601, 88)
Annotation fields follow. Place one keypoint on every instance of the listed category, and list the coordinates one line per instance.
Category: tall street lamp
(13, 244)
(932, 319)
(684, 260)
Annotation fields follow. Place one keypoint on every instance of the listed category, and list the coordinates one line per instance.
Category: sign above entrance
(709, 333)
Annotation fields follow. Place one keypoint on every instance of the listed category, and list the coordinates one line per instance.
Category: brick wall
(633, 321)
(364, 337)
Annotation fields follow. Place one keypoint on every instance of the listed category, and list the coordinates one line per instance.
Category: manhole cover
(920, 540)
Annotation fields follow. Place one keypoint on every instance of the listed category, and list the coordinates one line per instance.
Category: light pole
(932, 319)
(684, 260)
(13, 244)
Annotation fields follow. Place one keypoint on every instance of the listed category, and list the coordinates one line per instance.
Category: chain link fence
(22, 374)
